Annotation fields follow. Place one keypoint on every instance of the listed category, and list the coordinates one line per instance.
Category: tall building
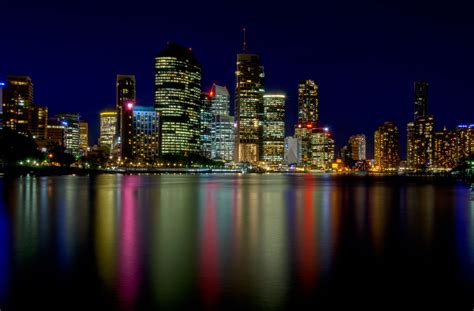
(125, 101)
(249, 91)
(37, 122)
(303, 133)
(108, 124)
(17, 98)
(222, 126)
(2, 85)
(146, 128)
(464, 141)
(206, 125)
(83, 137)
(292, 155)
(178, 99)
(386, 147)
(273, 137)
(357, 145)
(445, 149)
(71, 132)
(308, 103)
(420, 144)
(421, 99)
(322, 147)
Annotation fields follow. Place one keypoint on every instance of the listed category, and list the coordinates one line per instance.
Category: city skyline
(369, 72)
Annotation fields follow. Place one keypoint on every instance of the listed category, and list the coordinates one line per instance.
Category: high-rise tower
(249, 90)
(125, 101)
(178, 99)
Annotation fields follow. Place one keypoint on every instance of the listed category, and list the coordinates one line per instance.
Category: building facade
(146, 128)
(293, 154)
(71, 132)
(357, 144)
(83, 137)
(420, 144)
(465, 141)
(206, 125)
(222, 126)
(445, 149)
(249, 91)
(178, 99)
(108, 128)
(308, 103)
(322, 147)
(17, 99)
(387, 147)
(125, 101)
(273, 137)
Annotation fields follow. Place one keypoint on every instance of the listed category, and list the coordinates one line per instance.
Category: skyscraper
(420, 145)
(222, 127)
(421, 99)
(206, 125)
(273, 128)
(322, 149)
(108, 124)
(17, 97)
(71, 132)
(37, 122)
(125, 101)
(83, 137)
(444, 149)
(357, 144)
(308, 103)
(146, 126)
(178, 99)
(249, 90)
(464, 141)
(386, 147)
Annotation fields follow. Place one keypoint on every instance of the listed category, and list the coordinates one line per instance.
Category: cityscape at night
(236, 155)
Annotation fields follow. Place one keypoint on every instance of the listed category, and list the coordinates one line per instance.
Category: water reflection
(253, 241)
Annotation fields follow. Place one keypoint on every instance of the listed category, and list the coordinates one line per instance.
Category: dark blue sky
(365, 55)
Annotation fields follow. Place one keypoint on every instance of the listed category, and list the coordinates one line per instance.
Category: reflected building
(386, 147)
(125, 101)
(273, 128)
(108, 124)
(145, 139)
(249, 91)
(178, 99)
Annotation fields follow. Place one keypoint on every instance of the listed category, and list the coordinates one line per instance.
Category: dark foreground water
(235, 242)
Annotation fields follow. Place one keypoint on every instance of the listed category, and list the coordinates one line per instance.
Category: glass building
(322, 148)
(125, 101)
(71, 132)
(83, 137)
(249, 91)
(178, 99)
(357, 144)
(386, 147)
(146, 127)
(17, 98)
(308, 103)
(206, 125)
(273, 128)
(108, 124)
(222, 126)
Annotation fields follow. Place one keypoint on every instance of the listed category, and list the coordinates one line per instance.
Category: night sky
(365, 55)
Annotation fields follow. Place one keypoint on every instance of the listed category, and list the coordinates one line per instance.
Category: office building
(37, 122)
(386, 147)
(108, 125)
(308, 103)
(55, 132)
(71, 132)
(292, 153)
(357, 145)
(420, 144)
(206, 125)
(178, 99)
(465, 142)
(125, 101)
(146, 127)
(273, 137)
(17, 98)
(222, 125)
(445, 149)
(322, 148)
(83, 137)
(249, 91)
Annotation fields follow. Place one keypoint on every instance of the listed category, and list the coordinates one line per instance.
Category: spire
(245, 41)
